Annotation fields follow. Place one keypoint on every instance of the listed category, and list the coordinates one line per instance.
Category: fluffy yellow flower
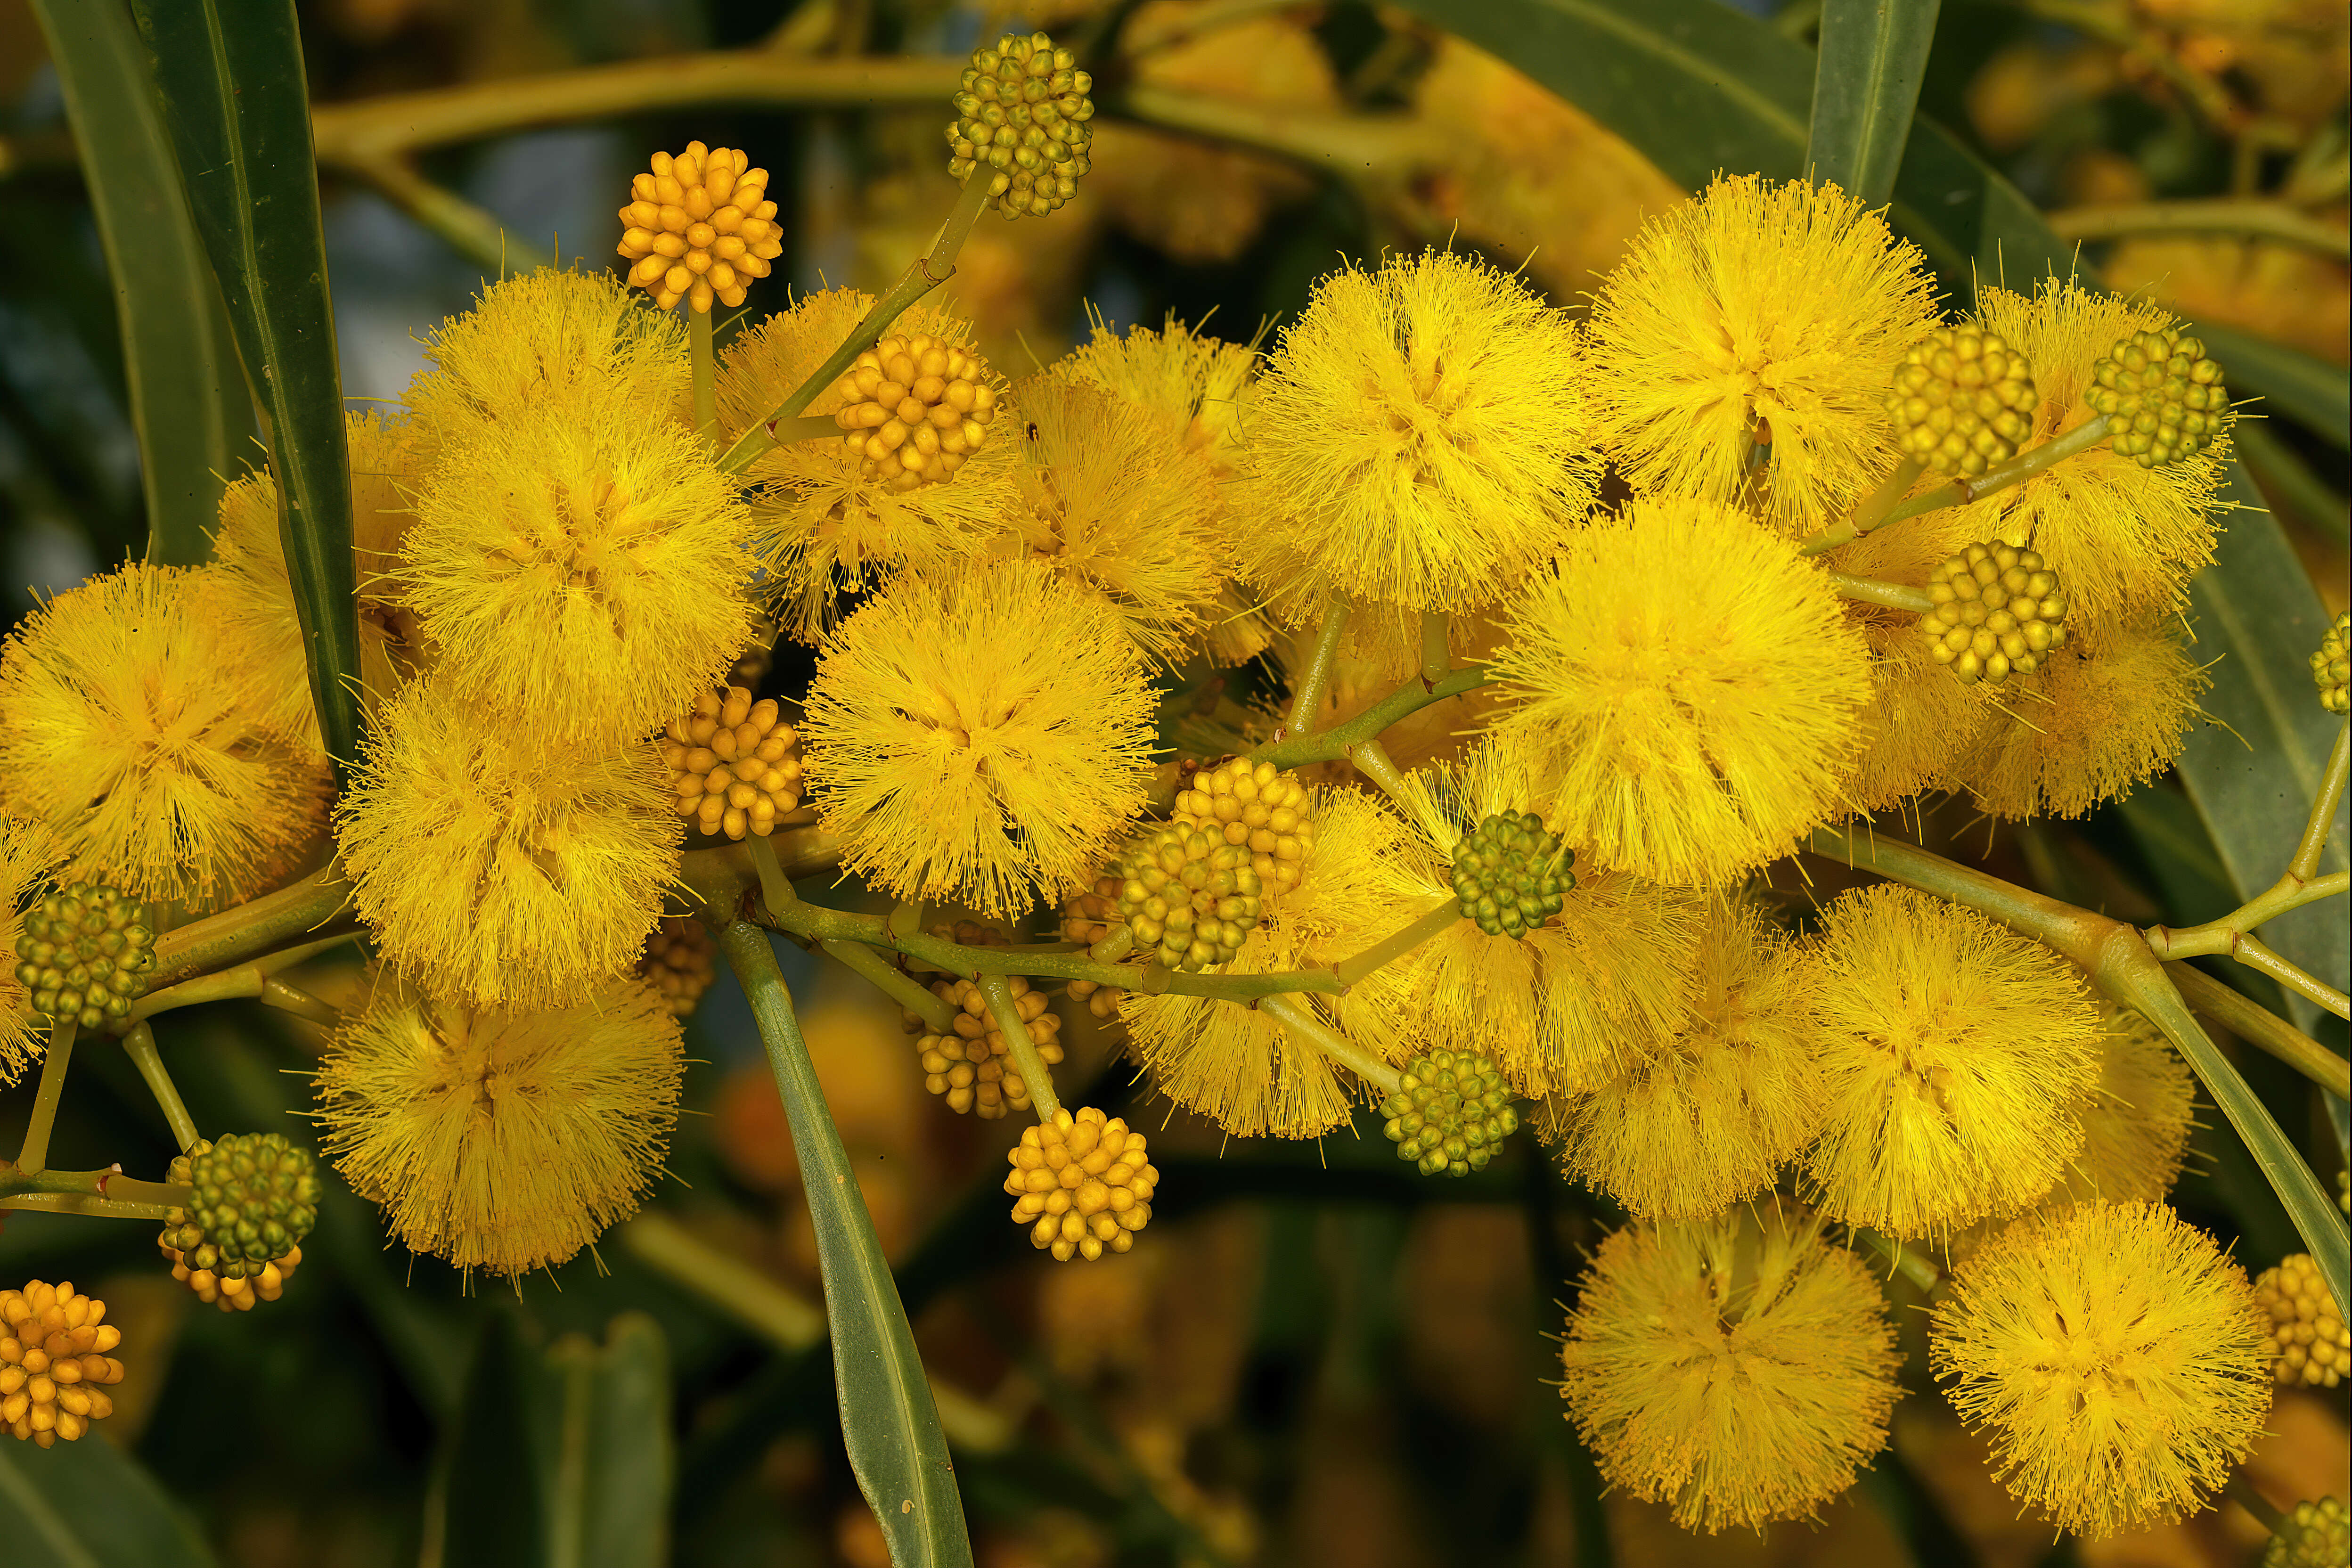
(826, 526)
(549, 334)
(2136, 1118)
(26, 853)
(258, 599)
(1420, 437)
(1952, 1054)
(2115, 1356)
(132, 725)
(979, 736)
(1243, 1068)
(2104, 713)
(1595, 988)
(1111, 498)
(2124, 539)
(1204, 385)
(1730, 1095)
(1694, 685)
(1741, 1369)
(1757, 303)
(584, 568)
(502, 1139)
(500, 868)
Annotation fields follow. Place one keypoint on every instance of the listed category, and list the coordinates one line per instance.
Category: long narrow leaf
(187, 398)
(888, 1421)
(1873, 55)
(235, 102)
(87, 1505)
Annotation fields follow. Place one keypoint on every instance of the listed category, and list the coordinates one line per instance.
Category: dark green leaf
(86, 1505)
(2292, 386)
(1865, 90)
(235, 102)
(187, 396)
(492, 1469)
(2288, 480)
(2253, 780)
(888, 1421)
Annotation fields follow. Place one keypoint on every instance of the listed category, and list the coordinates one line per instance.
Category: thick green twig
(1005, 1009)
(55, 1064)
(138, 1045)
(315, 907)
(1888, 596)
(2258, 956)
(1870, 514)
(901, 988)
(1371, 759)
(2322, 820)
(1399, 943)
(2258, 1026)
(1331, 745)
(110, 1183)
(1307, 693)
(2016, 471)
(1310, 1030)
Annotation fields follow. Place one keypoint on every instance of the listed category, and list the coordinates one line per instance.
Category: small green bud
(2316, 1535)
(85, 954)
(2331, 666)
(1022, 111)
(1450, 1113)
(256, 1197)
(2163, 398)
(1511, 875)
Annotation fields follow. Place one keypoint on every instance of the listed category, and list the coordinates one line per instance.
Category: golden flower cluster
(53, 1360)
(700, 226)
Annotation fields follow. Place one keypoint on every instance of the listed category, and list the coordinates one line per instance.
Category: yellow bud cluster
(1023, 111)
(734, 764)
(1256, 805)
(915, 409)
(2331, 666)
(2316, 1535)
(1087, 917)
(680, 961)
(1961, 401)
(53, 1346)
(699, 224)
(1189, 897)
(2163, 398)
(2308, 1342)
(235, 1295)
(1998, 610)
(971, 1067)
(1082, 1185)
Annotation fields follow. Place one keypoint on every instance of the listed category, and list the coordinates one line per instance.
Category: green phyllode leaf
(1872, 59)
(231, 78)
(88, 1505)
(188, 402)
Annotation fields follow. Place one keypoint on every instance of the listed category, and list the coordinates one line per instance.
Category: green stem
(2222, 935)
(34, 1153)
(1871, 513)
(899, 988)
(275, 992)
(2258, 1026)
(257, 979)
(2257, 956)
(1114, 947)
(472, 232)
(924, 273)
(1331, 745)
(2315, 828)
(2256, 219)
(2242, 1493)
(1295, 1016)
(90, 1207)
(1004, 1010)
(138, 1045)
(775, 888)
(2016, 471)
(109, 1183)
(1915, 1266)
(808, 427)
(1372, 760)
(1399, 943)
(705, 361)
(1306, 696)
(1891, 596)
(253, 929)
(1436, 648)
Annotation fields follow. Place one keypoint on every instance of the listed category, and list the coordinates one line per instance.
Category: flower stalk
(1004, 1011)
(2258, 1026)
(138, 1045)
(1331, 1043)
(1307, 698)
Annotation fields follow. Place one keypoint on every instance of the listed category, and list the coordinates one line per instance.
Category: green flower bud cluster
(1998, 611)
(2331, 666)
(1961, 402)
(2163, 398)
(85, 954)
(1511, 875)
(1450, 1113)
(2316, 1535)
(1022, 111)
(1189, 897)
(257, 1198)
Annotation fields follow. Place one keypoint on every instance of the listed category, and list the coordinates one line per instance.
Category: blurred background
(1313, 1357)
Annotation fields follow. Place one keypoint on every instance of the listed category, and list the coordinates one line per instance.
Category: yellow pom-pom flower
(1567, 1004)
(1420, 437)
(2135, 1120)
(1693, 685)
(734, 764)
(981, 736)
(2113, 1355)
(825, 525)
(502, 1139)
(1951, 1055)
(1177, 373)
(1082, 1185)
(1729, 1096)
(26, 854)
(2308, 1344)
(53, 1346)
(583, 570)
(2107, 711)
(1111, 498)
(132, 726)
(700, 226)
(496, 867)
(1740, 1368)
(2124, 538)
(548, 334)
(1757, 313)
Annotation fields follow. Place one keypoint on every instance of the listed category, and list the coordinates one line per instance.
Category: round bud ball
(1450, 1113)
(1189, 897)
(1082, 1185)
(915, 409)
(85, 952)
(734, 764)
(1511, 875)
(2308, 1344)
(971, 1067)
(2331, 666)
(1998, 611)
(1962, 401)
(2317, 1535)
(1021, 124)
(2163, 398)
(1256, 805)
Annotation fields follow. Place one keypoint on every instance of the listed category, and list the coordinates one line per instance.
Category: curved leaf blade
(235, 102)
(188, 400)
(87, 1505)
(1873, 56)
(888, 1419)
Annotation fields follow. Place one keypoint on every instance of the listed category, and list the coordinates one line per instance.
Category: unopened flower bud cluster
(734, 764)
